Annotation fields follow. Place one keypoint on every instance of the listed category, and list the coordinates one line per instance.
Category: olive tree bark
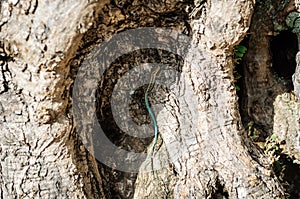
(217, 153)
(40, 155)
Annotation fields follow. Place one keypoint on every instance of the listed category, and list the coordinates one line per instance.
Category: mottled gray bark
(286, 106)
(216, 151)
(296, 77)
(286, 125)
(40, 154)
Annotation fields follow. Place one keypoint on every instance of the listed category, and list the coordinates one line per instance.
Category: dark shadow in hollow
(284, 48)
(113, 178)
(137, 106)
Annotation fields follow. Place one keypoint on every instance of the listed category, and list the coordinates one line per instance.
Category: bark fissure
(37, 136)
(218, 144)
(201, 138)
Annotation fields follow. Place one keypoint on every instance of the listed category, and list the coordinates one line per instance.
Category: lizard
(152, 79)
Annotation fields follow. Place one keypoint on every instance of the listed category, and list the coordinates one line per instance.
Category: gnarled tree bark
(216, 149)
(42, 156)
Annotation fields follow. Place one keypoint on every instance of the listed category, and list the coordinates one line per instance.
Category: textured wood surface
(42, 45)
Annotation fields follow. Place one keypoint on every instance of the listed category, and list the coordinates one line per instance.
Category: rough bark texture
(286, 125)
(42, 46)
(286, 106)
(216, 152)
(265, 79)
(268, 66)
(40, 152)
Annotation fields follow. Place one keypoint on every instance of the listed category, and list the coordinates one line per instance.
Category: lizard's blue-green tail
(152, 79)
(155, 126)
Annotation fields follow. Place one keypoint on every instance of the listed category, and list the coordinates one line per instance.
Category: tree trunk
(41, 156)
(64, 118)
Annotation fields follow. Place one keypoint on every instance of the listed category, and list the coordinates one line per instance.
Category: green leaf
(239, 54)
(273, 137)
(237, 88)
(241, 49)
